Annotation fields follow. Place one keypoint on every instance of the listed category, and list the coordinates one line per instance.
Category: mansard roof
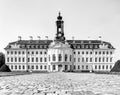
(75, 44)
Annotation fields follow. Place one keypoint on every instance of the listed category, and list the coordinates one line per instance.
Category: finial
(59, 13)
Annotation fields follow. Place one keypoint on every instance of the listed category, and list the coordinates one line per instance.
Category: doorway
(60, 69)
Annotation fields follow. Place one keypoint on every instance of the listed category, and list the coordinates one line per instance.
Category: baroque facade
(60, 54)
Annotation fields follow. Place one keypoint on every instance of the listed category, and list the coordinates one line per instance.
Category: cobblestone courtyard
(60, 84)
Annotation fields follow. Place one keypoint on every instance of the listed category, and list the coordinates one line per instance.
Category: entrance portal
(60, 69)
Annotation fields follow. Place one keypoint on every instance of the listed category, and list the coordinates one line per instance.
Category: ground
(60, 84)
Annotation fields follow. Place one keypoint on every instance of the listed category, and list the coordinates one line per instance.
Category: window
(107, 52)
(32, 59)
(96, 52)
(23, 52)
(106, 66)
(19, 67)
(28, 59)
(95, 66)
(45, 52)
(78, 59)
(41, 67)
(78, 52)
(103, 67)
(65, 57)
(78, 66)
(15, 52)
(103, 59)
(15, 66)
(99, 59)
(99, 52)
(74, 59)
(54, 58)
(110, 66)
(11, 52)
(45, 59)
(23, 67)
(99, 67)
(86, 59)
(83, 52)
(91, 59)
(36, 52)
(74, 52)
(82, 66)
(86, 66)
(32, 52)
(7, 59)
(54, 67)
(82, 59)
(40, 59)
(7, 52)
(11, 66)
(74, 67)
(28, 52)
(36, 59)
(96, 59)
(19, 59)
(36, 66)
(41, 52)
(111, 52)
(111, 59)
(19, 52)
(103, 52)
(86, 52)
(60, 57)
(32, 67)
(23, 59)
(11, 59)
(106, 59)
(91, 52)
(66, 67)
(45, 67)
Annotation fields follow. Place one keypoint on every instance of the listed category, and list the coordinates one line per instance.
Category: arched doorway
(60, 68)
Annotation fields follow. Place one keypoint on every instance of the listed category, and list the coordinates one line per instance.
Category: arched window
(59, 57)
(65, 57)
(54, 58)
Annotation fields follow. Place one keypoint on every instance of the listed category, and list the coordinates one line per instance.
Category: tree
(4, 68)
(116, 67)
(2, 59)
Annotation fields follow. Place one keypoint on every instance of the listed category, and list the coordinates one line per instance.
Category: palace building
(59, 54)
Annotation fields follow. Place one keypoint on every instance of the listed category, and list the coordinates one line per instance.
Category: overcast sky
(82, 18)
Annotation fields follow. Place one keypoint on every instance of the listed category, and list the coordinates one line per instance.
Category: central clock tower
(60, 29)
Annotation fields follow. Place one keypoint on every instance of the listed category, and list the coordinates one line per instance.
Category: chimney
(31, 38)
(38, 37)
(46, 39)
(19, 38)
(73, 38)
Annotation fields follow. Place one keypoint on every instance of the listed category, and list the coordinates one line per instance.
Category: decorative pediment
(59, 45)
(103, 46)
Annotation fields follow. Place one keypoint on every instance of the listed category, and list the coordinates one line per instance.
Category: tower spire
(60, 28)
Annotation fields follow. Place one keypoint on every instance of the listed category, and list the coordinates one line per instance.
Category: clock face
(59, 34)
